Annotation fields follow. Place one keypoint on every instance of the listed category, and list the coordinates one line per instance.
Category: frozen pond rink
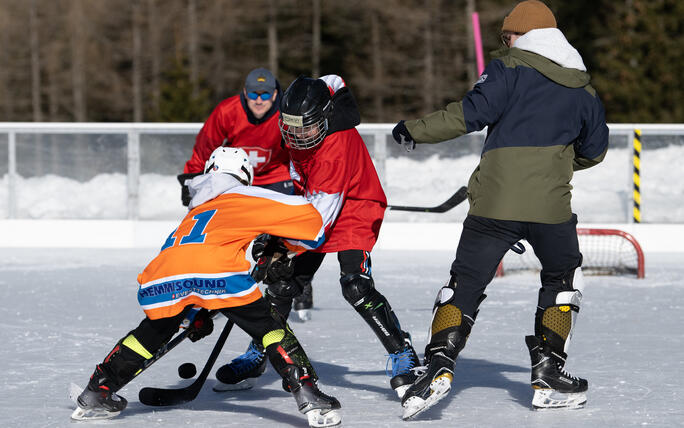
(63, 310)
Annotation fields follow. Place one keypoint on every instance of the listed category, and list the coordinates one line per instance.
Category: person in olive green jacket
(544, 121)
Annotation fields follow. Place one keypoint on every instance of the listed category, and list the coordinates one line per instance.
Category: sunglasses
(264, 95)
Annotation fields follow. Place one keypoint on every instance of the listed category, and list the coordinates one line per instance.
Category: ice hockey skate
(95, 404)
(554, 388)
(319, 408)
(240, 373)
(303, 303)
(403, 364)
(433, 384)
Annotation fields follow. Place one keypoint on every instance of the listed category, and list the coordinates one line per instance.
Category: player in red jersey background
(248, 120)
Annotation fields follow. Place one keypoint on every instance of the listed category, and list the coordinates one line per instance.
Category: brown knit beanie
(528, 15)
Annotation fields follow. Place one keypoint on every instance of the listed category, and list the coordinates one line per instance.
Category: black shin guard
(288, 358)
(359, 290)
(121, 364)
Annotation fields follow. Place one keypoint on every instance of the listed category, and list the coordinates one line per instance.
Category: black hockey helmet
(304, 110)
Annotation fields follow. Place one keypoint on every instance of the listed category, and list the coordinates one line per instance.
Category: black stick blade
(173, 397)
(150, 396)
(455, 199)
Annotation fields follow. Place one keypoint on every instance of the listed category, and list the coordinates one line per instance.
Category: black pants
(255, 319)
(484, 242)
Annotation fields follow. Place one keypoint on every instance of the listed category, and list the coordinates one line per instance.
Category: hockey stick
(455, 199)
(170, 345)
(171, 397)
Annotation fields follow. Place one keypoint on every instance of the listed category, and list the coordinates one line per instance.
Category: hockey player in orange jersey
(202, 264)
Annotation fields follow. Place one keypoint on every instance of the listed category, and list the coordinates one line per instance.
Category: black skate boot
(299, 377)
(303, 303)
(433, 384)
(403, 364)
(319, 408)
(553, 386)
(98, 400)
(236, 375)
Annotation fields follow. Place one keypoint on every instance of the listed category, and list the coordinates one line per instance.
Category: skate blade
(549, 399)
(439, 388)
(324, 418)
(81, 414)
(240, 386)
(303, 315)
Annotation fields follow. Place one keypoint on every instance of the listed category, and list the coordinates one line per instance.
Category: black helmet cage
(304, 112)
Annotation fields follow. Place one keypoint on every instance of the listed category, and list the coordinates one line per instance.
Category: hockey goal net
(605, 251)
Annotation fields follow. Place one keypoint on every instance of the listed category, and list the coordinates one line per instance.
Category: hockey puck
(187, 370)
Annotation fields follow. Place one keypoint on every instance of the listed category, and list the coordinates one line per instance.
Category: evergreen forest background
(174, 60)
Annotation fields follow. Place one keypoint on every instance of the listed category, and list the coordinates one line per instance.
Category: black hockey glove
(402, 136)
(259, 245)
(201, 326)
(281, 269)
(272, 260)
(185, 191)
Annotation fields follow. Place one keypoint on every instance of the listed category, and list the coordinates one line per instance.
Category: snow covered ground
(63, 310)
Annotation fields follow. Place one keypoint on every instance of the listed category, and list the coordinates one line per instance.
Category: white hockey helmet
(230, 160)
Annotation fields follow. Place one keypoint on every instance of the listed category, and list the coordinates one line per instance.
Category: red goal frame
(640, 272)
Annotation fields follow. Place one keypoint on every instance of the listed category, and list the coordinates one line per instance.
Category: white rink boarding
(653, 238)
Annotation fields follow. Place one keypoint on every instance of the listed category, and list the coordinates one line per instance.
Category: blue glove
(403, 137)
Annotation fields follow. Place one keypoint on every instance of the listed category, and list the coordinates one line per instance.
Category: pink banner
(478, 43)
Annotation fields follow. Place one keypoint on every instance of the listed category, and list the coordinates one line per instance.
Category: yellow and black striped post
(636, 176)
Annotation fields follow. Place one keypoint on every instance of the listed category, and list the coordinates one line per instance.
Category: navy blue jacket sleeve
(592, 143)
(486, 102)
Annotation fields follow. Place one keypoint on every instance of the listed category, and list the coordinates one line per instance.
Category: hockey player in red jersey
(332, 168)
(248, 120)
(202, 264)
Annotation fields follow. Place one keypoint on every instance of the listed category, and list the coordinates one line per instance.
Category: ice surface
(63, 310)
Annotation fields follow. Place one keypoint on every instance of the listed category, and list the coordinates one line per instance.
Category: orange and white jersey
(203, 261)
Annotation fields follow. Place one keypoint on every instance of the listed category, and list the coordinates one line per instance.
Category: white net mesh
(605, 251)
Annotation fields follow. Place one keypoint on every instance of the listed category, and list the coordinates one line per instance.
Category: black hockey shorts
(255, 319)
(484, 241)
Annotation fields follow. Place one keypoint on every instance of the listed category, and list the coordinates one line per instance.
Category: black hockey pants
(255, 319)
(483, 243)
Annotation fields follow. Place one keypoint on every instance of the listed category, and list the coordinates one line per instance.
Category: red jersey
(338, 177)
(228, 125)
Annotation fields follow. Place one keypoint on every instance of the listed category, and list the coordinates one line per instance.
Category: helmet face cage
(299, 136)
(230, 160)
